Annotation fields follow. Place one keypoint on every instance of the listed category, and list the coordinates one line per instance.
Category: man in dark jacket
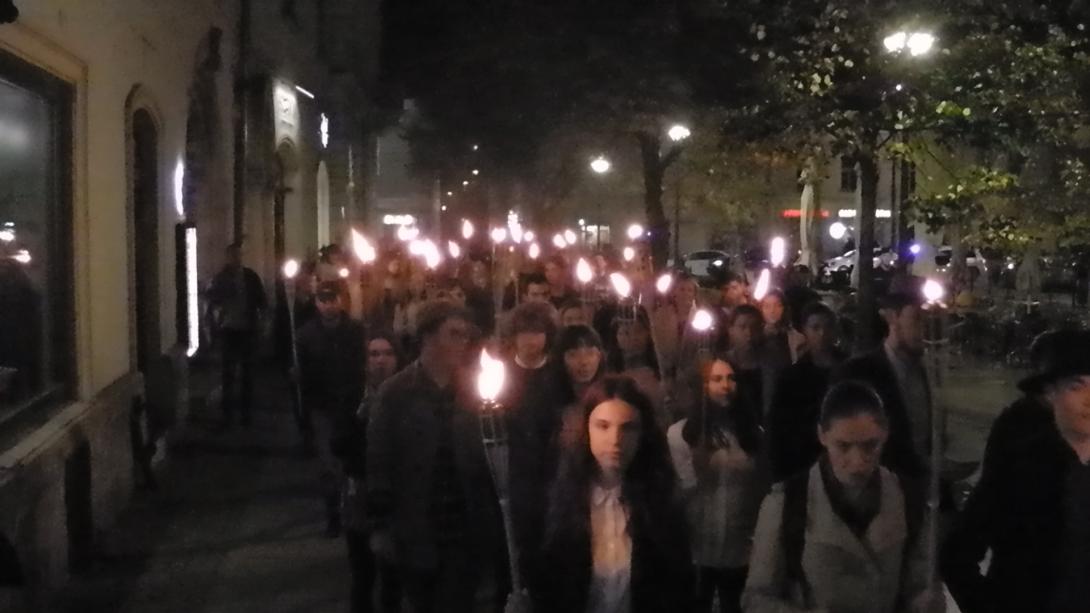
(531, 330)
(1031, 508)
(237, 298)
(331, 366)
(796, 405)
(896, 371)
(429, 493)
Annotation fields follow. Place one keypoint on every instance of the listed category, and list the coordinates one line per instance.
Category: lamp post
(497, 452)
(917, 44)
(677, 134)
(600, 165)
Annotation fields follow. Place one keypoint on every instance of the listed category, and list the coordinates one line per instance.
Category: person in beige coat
(858, 548)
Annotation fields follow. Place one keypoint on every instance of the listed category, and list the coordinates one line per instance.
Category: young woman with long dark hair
(717, 451)
(615, 538)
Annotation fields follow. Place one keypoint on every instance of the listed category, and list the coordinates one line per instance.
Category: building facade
(119, 190)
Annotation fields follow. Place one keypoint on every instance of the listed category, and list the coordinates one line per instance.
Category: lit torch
(764, 283)
(290, 270)
(702, 323)
(936, 347)
(626, 308)
(584, 274)
(494, 439)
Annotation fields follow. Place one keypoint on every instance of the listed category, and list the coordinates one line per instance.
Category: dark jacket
(532, 422)
(403, 440)
(222, 290)
(662, 576)
(331, 362)
(793, 417)
(1031, 508)
(875, 368)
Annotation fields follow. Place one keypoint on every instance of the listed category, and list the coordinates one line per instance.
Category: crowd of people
(654, 466)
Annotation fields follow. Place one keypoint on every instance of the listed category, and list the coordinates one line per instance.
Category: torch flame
(535, 251)
(629, 254)
(583, 271)
(559, 242)
(764, 282)
(702, 321)
(467, 229)
(777, 251)
(343, 273)
(363, 248)
(416, 247)
(664, 283)
(490, 380)
(569, 236)
(454, 250)
(499, 235)
(291, 268)
(621, 284)
(933, 291)
(432, 257)
(529, 236)
(407, 233)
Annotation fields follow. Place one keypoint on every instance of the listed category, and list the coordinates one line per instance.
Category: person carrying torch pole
(494, 439)
(291, 270)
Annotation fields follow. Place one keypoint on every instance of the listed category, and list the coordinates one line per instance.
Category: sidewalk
(236, 526)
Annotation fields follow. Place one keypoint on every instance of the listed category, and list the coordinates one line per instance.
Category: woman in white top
(844, 537)
(717, 451)
(615, 538)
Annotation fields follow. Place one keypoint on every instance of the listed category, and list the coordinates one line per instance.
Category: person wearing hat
(331, 366)
(1031, 508)
(1030, 412)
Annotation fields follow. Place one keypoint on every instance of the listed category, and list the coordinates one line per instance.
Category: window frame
(60, 384)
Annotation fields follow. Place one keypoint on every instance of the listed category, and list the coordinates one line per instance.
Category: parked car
(709, 267)
(837, 271)
(974, 261)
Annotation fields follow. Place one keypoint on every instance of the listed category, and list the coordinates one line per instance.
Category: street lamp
(916, 43)
(678, 133)
(600, 165)
(838, 230)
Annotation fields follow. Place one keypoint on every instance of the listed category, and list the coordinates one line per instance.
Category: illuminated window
(36, 318)
(849, 176)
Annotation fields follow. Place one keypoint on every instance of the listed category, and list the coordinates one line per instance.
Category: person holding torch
(430, 499)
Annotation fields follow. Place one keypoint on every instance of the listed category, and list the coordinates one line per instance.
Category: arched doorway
(323, 204)
(145, 204)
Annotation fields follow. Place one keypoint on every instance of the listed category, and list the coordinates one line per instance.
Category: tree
(830, 82)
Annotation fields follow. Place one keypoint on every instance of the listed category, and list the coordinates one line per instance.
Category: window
(36, 318)
(849, 177)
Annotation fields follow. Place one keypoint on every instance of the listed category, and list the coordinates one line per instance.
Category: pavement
(236, 525)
